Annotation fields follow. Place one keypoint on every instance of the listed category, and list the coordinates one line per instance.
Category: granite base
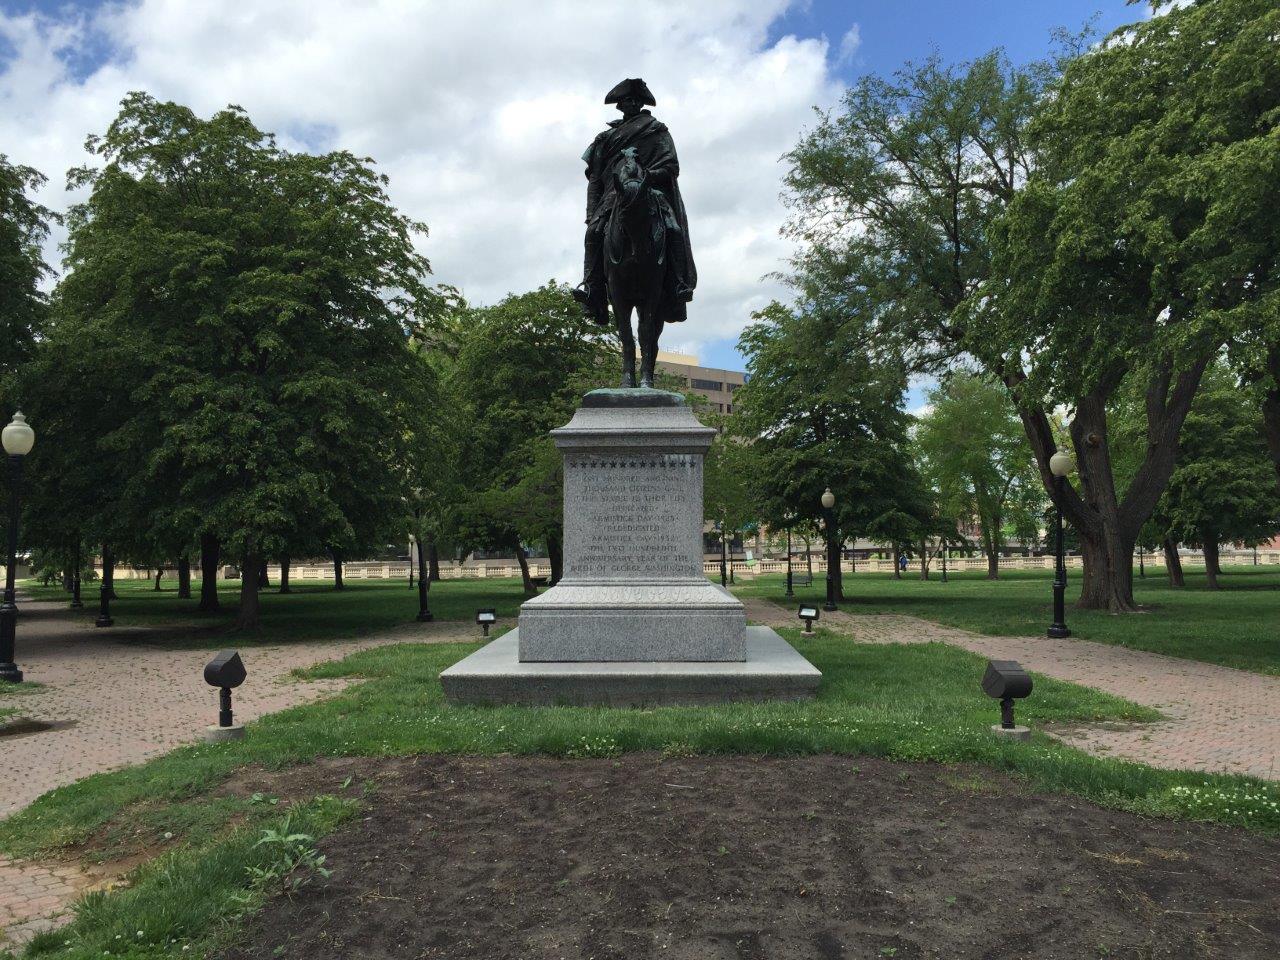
(772, 670)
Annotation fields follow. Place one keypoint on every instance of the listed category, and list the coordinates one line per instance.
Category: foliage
(521, 367)
(24, 225)
(977, 457)
(257, 302)
(820, 412)
(1223, 489)
(292, 860)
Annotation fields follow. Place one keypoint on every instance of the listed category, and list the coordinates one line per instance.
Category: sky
(479, 110)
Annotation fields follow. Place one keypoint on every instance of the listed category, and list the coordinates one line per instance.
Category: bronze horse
(635, 262)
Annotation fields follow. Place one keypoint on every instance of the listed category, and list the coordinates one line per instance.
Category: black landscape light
(1060, 465)
(486, 617)
(226, 672)
(808, 614)
(1006, 681)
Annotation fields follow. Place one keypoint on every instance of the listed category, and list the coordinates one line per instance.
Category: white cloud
(849, 45)
(478, 111)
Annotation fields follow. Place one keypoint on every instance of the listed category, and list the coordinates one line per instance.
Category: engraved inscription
(633, 516)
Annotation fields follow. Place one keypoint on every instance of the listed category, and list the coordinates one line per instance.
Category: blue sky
(478, 110)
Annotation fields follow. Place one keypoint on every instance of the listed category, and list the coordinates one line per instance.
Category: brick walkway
(115, 704)
(1220, 720)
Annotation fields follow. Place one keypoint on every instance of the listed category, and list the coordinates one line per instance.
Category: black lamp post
(75, 578)
(17, 439)
(724, 570)
(790, 592)
(944, 560)
(1142, 568)
(1060, 464)
(833, 557)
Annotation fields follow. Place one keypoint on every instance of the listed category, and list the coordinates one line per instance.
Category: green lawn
(908, 702)
(1238, 626)
(313, 611)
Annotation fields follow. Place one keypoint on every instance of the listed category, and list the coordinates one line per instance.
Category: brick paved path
(115, 704)
(1220, 720)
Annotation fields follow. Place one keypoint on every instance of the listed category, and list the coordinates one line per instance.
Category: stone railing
(399, 569)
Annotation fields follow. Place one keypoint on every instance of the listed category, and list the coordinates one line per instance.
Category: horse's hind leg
(622, 314)
(650, 330)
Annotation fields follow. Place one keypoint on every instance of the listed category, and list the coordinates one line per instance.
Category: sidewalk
(1220, 720)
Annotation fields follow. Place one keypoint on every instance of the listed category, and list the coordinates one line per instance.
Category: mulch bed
(703, 858)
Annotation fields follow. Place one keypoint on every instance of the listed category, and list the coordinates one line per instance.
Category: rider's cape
(656, 152)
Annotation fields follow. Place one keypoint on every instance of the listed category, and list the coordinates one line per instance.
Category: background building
(717, 385)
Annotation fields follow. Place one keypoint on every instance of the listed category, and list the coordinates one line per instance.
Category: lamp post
(75, 578)
(833, 559)
(790, 592)
(1060, 464)
(944, 560)
(1142, 567)
(724, 575)
(17, 439)
(424, 609)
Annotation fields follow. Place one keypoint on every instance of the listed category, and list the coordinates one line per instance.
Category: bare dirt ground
(746, 857)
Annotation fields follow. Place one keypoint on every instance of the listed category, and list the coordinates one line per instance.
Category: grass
(1234, 627)
(313, 611)
(907, 702)
(10, 697)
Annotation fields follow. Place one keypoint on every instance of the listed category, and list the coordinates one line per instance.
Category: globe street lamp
(833, 558)
(1060, 464)
(17, 439)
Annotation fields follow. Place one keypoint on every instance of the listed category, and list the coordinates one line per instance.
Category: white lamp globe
(828, 499)
(18, 438)
(1061, 464)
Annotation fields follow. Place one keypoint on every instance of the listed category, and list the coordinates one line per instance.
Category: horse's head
(628, 176)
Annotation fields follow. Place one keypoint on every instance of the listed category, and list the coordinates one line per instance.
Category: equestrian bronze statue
(637, 244)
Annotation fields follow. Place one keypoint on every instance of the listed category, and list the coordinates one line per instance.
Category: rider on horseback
(637, 134)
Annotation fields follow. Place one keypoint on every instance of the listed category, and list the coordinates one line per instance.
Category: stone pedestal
(633, 586)
(634, 620)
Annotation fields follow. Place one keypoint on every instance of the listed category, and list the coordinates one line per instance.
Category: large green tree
(24, 226)
(1064, 232)
(820, 412)
(265, 297)
(522, 366)
(1222, 490)
(976, 456)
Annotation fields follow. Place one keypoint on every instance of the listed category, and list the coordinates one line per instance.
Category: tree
(976, 455)
(820, 412)
(1059, 231)
(726, 481)
(1222, 490)
(24, 225)
(265, 298)
(522, 366)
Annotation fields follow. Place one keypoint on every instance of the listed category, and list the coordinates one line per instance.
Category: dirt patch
(703, 858)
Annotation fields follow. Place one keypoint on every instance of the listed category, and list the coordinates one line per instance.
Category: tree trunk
(1107, 579)
(525, 578)
(263, 580)
(808, 558)
(1106, 525)
(337, 569)
(284, 575)
(184, 578)
(1212, 568)
(991, 547)
(209, 550)
(897, 561)
(109, 571)
(247, 615)
(555, 553)
(433, 557)
(924, 559)
(159, 574)
(1271, 408)
(1173, 563)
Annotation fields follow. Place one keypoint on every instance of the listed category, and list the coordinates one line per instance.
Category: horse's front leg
(622, 314)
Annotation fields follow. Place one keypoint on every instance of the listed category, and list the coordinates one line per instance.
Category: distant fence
(399, 570)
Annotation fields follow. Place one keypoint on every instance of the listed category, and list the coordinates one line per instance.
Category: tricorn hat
(631, 87)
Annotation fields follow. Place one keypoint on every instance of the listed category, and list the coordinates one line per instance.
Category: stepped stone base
(687, 620)
(495, 674)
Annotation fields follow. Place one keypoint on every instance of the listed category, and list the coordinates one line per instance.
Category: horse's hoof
(627, 382)
(646, 382)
